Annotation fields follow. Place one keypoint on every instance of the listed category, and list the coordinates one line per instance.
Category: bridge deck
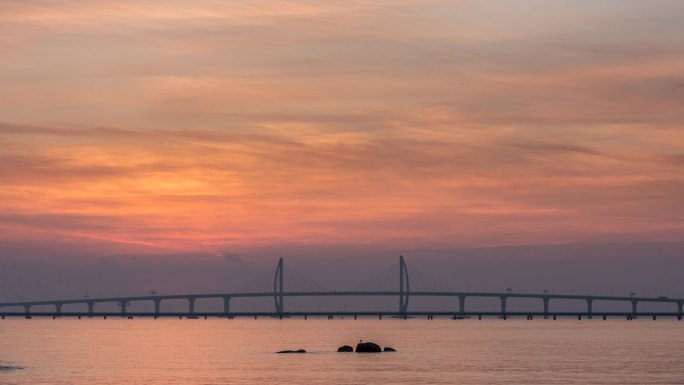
(343, 314)
(347, 294)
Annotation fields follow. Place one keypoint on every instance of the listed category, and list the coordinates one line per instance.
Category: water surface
(440, 351)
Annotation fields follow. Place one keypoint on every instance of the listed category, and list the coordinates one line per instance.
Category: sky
(246, 130)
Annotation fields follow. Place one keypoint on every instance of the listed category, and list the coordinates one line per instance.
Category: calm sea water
(441, 351)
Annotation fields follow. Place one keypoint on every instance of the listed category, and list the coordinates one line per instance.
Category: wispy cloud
(216, 126)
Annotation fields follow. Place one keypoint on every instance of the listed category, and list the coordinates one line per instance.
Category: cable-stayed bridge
(399, 282)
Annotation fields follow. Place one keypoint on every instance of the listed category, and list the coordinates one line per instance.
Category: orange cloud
(208, 126)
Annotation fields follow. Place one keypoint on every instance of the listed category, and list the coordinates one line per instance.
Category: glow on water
(441, 351)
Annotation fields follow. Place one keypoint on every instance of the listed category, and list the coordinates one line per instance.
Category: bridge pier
(123, 304)
(157, 306)
(58, 308)
(679, 309)
(590, 311)
(503, 306)
(191, 305)
(634, 306)
(27, 310)
(546, 307)
(226, 304)
(461, 304)
(91, 308)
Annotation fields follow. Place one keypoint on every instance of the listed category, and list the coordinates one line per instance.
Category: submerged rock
(292, 351)
(388, 349)
(345, 348)
(8, 368)
(368, 347)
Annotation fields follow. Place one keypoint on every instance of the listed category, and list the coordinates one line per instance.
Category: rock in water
(388, 349)
(367, 347)
(292, 351)
(345, 348)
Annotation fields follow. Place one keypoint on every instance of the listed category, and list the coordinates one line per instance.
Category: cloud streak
(223, 126)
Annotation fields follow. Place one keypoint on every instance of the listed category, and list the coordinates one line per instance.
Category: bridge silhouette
(398, 281)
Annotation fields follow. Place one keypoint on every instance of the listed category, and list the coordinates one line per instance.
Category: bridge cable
(261, 284)
(423, 282)
(386, 280)
(302, 282)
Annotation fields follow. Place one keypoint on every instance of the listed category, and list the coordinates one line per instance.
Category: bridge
(406, 286)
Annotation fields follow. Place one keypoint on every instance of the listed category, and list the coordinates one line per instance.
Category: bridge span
(402, 293)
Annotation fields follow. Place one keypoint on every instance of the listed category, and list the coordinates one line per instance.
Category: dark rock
(367, 347)
(388, 349)
(345, 348)
(8, 368)
(292, 351)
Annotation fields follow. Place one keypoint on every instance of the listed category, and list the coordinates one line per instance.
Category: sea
(243, 351)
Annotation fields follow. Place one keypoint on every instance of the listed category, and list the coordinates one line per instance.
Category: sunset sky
(212, 127)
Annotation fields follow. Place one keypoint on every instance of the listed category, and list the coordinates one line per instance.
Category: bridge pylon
(403, 285)
(278, 287)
